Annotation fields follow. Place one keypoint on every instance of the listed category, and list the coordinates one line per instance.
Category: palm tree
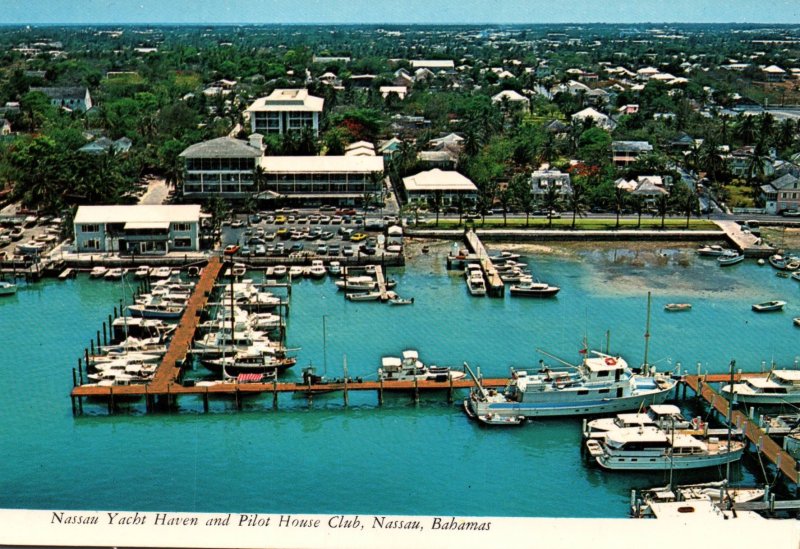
(435, 203)
(662, 207)
(620, 197)
(367, 199)
(505, 198)
(577, 200)
(638, 206)
(757, 167)
(522, 197)
(376, 184)
(689, 204)
(551, 200)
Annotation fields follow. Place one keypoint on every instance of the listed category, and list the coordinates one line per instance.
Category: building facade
(221, 167)
(450, 185)
(285, 110)
(627, 152)
(137, 230)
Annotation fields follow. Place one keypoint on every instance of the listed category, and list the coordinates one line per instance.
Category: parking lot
(299, 234)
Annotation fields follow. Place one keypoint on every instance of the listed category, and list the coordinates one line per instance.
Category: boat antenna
(324, 345)
(564, 362)
(608, 341)
(672, 451)
(646, 366)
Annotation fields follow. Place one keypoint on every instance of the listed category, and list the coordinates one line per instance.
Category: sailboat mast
(646, 365)
(324, 345)
(730, 421)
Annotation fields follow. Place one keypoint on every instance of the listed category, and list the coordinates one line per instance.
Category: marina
(361, 397)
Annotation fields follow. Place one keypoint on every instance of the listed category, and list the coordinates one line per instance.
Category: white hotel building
(285, 110)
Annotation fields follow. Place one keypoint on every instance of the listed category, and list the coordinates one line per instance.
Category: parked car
(346, 211)
(333, 249)
(347, 250)
(322, 249)
(280, 219)
(260, 250)
(357, 237)
(327, 208)
(231, 249)
(297, 247)
(368, 250)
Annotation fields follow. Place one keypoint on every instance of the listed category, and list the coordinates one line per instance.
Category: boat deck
(495, 285)
(763, 442)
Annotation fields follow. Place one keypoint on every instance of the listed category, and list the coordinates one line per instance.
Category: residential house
(597, 97)
(360, 148)
(512, 98)
(682, 142)
(627, 152)
(399, 91)
(285, 110)
(73, 98)
(544, 179)
(450, 185)
(781, 194)
(140, 230)
(221, 167)
(773, 73)
(389, 147)
(104, 145)
(600, 120)
(444, 159)
(447, 65)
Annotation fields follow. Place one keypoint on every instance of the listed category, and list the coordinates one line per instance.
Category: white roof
(774, 69)
(139, 214)
(510, 95)
(788, 375)
(410, 353)
(665, 409)
(590, 113)
(643, 434)
(433, 63)
(391, 361)
(322, 164)
(293, 100)
(438, 180)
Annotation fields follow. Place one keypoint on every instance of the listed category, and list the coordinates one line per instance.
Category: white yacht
(98, 272)
(600, 384)
(664, 416)
(409, 368)
(527, 287)
(357, 283)
(317, 269)
(475, 283)
(701, 502)
(143, 271)
(7, 288)
(780, 387)
(654, 449)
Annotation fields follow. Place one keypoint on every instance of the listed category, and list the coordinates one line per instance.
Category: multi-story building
(141, 229)
(420, 188)
(542, 180)
(221, 167)
(74, 98)
(627, 152)
(285, 110)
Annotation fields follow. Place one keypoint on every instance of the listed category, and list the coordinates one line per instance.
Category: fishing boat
(296, 271)
(397, 300)
(410, 368)
(156, 307)
(664, 416)
(768, 306)
(492, 419)
(654, 449)
(474, 277)
(364, 296)
(731, 258)
(713, 250)
(779, 387)
(528, 288)
(7, 288)
(600, 384)
(334, 268)
(504, 256)
(677, 307)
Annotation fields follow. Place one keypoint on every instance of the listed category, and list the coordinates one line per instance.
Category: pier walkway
(495, 286)
(747, 243)
(381, 282)
(763, 442)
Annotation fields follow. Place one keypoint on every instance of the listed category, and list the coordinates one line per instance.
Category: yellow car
(280, 219)
(282, 233)
(358, 237)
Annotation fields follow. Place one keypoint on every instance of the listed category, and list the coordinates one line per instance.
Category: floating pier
(783, 461)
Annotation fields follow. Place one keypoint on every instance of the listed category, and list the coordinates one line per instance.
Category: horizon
(390, 12)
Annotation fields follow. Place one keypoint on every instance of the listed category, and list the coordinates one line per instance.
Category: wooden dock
(747, 243)
(381, 282)
(495, 286)
(763, 442)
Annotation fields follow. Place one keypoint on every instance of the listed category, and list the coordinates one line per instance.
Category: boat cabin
(766, 386)
(604, 368)
(786, 377)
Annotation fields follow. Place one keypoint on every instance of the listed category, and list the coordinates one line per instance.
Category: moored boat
(410, 368)
(768, 306)
(711, 251)
(600, 384)
(664, 416)
(528, 288)
(98, 272)
(357, 283)
(730, 259)
(317, 269)
(674, 307)
(7, 288)
(143, 271)
(364, 296)
(779, 387)
(654, 449)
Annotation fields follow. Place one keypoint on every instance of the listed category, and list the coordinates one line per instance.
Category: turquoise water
(398, 459)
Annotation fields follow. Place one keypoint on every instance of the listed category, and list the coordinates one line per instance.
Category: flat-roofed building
(221, 167)
(340, 180)
(433, 64)
(423, 186)
(285, 110)
(140, 230)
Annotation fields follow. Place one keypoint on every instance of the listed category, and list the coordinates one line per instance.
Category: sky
(397, 11)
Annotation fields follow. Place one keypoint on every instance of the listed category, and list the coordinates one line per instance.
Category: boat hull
(522, 292)
(665, 463)
(568, 408)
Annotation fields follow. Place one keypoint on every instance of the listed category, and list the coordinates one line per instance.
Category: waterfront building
(781, 194)
(285, 110)
(221, 167)
(140, 229)
(627, 152)
(420, 188)
(543, 179)
(342, 180)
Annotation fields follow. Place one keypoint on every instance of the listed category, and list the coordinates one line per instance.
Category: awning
(250, 378)
(134, 225)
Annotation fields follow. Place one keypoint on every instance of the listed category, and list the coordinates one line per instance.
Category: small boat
(675, 307)
(778, 261)
(364, 296)
(400, 301)
(475, 283)
(768, 306)
(31, 248)
(712, 251)
(503, 256)
(793, 265)
(7, 288)
(528, 288)
(710, 500)
(296, 271)
(357, 283)
(160, 272)
(143, 271)
(115, 273)
(238, 269)
(317, 269)
(782, 274)
(796, 321)
(795, 276)
(426, 249)
(279, 271)
(98, 272)
(491, 419)
(731, 258)
(193, 271)
(334, 268)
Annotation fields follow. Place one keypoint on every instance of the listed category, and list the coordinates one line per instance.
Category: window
(91, 244)
(90, 228)
(183, 243)
(603, 391)
(181, 227)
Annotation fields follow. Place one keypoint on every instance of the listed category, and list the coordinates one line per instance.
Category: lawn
(586, 224)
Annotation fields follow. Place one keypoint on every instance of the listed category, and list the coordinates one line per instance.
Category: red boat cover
(250, 378)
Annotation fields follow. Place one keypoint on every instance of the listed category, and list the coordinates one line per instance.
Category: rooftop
(322, 164)
(221, 147)
(294, 100)
(438, 180)
(137, 214)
